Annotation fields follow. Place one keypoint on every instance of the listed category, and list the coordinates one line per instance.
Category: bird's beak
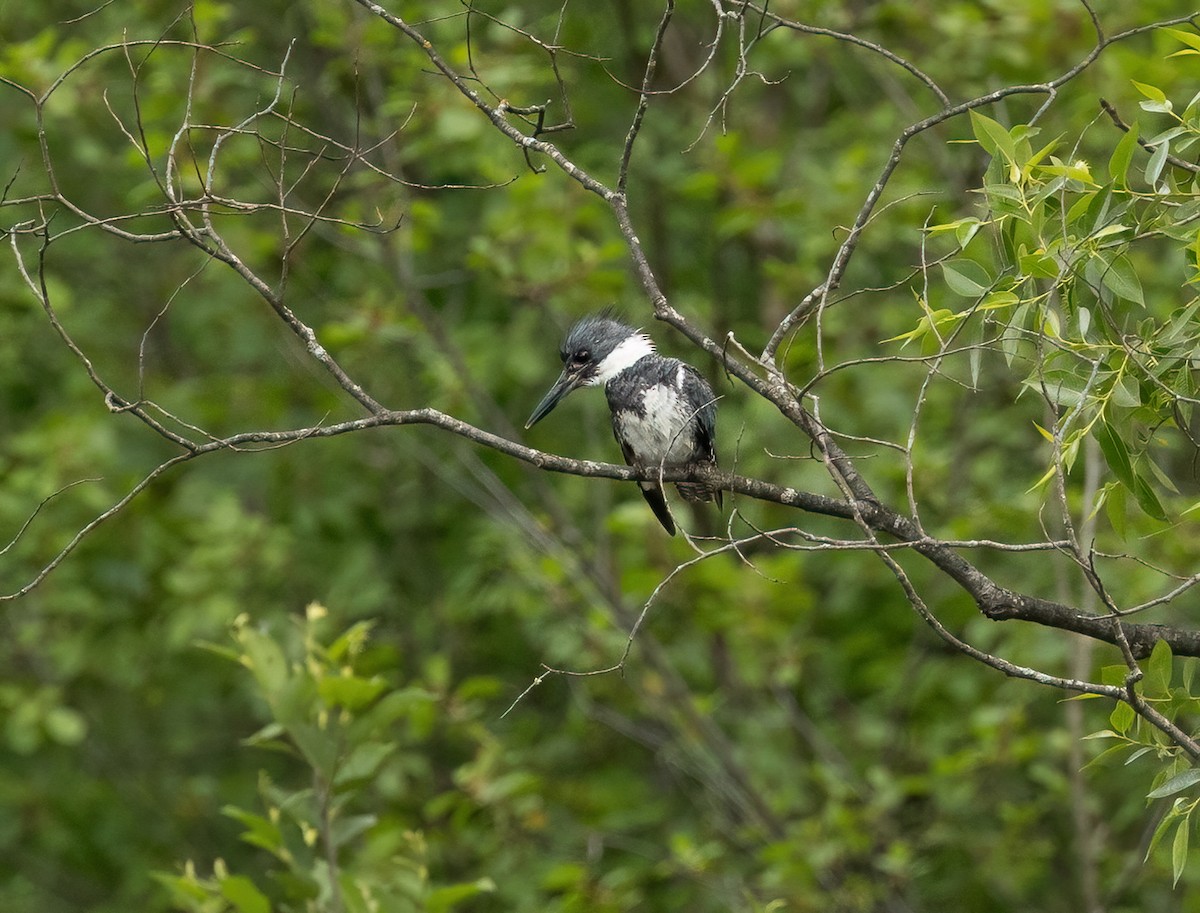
(565, 384)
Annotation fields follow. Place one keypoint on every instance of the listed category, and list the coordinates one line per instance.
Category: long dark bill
(564, 385)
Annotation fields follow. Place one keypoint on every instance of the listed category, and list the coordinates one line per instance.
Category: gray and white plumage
(663, 411)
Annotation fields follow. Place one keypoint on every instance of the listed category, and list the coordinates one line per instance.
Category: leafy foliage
(1059, 291)
(1008, 350)
(1135, 741)
(339, 726)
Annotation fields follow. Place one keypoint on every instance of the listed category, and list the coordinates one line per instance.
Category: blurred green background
(787, 735)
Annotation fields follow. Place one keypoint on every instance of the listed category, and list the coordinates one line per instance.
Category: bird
(664, 412)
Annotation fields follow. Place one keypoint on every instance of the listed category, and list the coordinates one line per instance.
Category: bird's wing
(696, 389)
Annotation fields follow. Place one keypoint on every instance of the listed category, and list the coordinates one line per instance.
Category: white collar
(631, 350)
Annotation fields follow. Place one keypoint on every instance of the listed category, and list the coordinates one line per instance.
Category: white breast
(665, 434)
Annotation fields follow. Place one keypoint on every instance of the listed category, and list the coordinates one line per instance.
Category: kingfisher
(664, 413)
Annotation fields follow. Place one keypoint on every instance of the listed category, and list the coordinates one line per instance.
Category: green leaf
(1116, 454)
(1191, 39)
(1061, 389)
(185, 888)
(1042, 153)
(1044, 480)
(1080, 207)
(1122, 280)
(349, 828)
(966, 278)
(1156, 99)
(1122, 157)
(975, 355)
(319, 747)
(264, 657)
(952, 226)
(260, 831)
(1075, 171)
(1007, 200)
(992, 136)
(350, 691)
(351, 641)
(1177, 783)
(1114, 675)
(1122, 717)
(1109, 753)
(1181, 322)
(966, 231)
(1109, 230)
(1044, 433)
(1169, 134)
(1179, 848)
(267, 735)
(441, 900)
(363, 761)
(1039, 265)
(1163, 825)
(1158, 158)
(242, 893)
(1147, 499)
(1084, 316)
(1159, 670)
(930, 322)
(1010, 341)
(1144, 750)
(998, 299)
(400, 704)
(220, 650)
(1124, 393)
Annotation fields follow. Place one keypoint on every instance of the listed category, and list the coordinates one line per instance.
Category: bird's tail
(653, 494)
(698, 491)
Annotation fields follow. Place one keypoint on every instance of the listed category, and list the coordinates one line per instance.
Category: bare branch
(644, 96)
(780, 22)
(1149, 147)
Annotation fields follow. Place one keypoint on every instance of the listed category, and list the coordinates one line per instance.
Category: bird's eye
(581, 356)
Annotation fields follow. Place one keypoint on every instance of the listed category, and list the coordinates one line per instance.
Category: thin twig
(1149, 147)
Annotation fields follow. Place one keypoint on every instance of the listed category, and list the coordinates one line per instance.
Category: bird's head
(594, 351)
